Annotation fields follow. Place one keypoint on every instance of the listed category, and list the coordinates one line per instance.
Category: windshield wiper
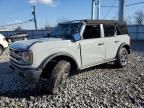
(61, 36)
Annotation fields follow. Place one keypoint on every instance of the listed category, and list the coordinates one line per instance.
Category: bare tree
(129, 20)
(139, 17)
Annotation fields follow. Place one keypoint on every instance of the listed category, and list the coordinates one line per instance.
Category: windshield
(66, 30)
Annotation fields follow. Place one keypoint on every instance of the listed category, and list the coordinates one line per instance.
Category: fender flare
(124, 45)
(2, 46)
(49, 58)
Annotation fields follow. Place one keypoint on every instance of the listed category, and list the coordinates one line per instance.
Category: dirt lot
(99, 87)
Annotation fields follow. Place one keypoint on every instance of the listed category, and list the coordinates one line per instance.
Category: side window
(109, 30)
(123, 29)
(92, 31)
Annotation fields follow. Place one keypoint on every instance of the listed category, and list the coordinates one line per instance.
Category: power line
(125, 5)
(109, 6)
(109, 9)
(134, 4)
(16, 23)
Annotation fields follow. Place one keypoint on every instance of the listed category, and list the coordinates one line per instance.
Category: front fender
(49, 58)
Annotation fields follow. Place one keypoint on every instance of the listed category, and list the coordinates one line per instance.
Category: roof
(95, 22)
(103, 21)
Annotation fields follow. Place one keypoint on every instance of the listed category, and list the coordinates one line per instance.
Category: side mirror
(76, 37)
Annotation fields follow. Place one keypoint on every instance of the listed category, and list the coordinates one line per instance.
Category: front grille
(16, 56)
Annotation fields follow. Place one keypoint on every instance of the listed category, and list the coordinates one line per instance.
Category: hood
(28, 43)
(1, 36)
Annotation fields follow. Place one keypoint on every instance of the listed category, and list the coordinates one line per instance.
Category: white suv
(3, 44)
(72, 45)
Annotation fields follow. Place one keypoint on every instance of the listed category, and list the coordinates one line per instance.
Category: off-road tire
(59, 74)
(122, 57)
(1, 50)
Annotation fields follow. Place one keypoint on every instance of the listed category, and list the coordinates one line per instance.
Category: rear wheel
(1, 50)
(122, 57)
(59, 74)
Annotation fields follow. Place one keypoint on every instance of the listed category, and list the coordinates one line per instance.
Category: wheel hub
(123, 57)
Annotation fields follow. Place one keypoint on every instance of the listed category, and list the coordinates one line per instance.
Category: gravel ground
(102, 86)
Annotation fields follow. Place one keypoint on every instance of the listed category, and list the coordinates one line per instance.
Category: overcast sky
(51, 12)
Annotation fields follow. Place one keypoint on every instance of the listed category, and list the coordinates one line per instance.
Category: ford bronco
(73, 45)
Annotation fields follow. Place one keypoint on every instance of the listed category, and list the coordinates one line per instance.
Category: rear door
(112, 41)
(92, 46)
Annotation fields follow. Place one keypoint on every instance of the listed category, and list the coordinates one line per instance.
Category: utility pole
(93, 9)
(95, 4)
(34, 15)
(121, 10)
(98, 9)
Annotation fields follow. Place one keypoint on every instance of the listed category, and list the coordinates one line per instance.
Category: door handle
(101, 44)
(117, 41)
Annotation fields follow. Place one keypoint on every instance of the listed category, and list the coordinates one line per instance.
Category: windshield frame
(61, 32)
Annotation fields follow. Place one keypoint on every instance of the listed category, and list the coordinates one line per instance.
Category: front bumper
(29, 74)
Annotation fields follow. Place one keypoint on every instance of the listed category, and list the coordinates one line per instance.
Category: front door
(92, 46)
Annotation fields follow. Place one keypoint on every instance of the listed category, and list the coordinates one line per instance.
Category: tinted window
(123, 29)
(92, 32)
(109, 30)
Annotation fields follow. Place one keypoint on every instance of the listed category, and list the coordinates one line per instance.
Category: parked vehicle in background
(3, 44)
(18, 36)
(72, 45)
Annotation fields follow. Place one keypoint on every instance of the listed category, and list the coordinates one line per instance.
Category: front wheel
(58, 75)
(122, 57)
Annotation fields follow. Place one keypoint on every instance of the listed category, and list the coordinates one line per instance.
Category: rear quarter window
(123, 29)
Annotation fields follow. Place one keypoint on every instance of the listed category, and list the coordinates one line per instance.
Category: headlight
(27, 57)
(4, 39)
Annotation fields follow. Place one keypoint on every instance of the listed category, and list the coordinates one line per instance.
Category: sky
(50, 12)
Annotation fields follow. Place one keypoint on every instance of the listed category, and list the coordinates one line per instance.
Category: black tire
(122, 57)
(58, 75)
(1, 50)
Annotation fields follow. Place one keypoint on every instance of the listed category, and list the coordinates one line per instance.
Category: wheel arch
(2, 46)
(125, 45)
(57, 57)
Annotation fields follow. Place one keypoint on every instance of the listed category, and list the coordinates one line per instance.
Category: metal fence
(136, 32)
(32, 34)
